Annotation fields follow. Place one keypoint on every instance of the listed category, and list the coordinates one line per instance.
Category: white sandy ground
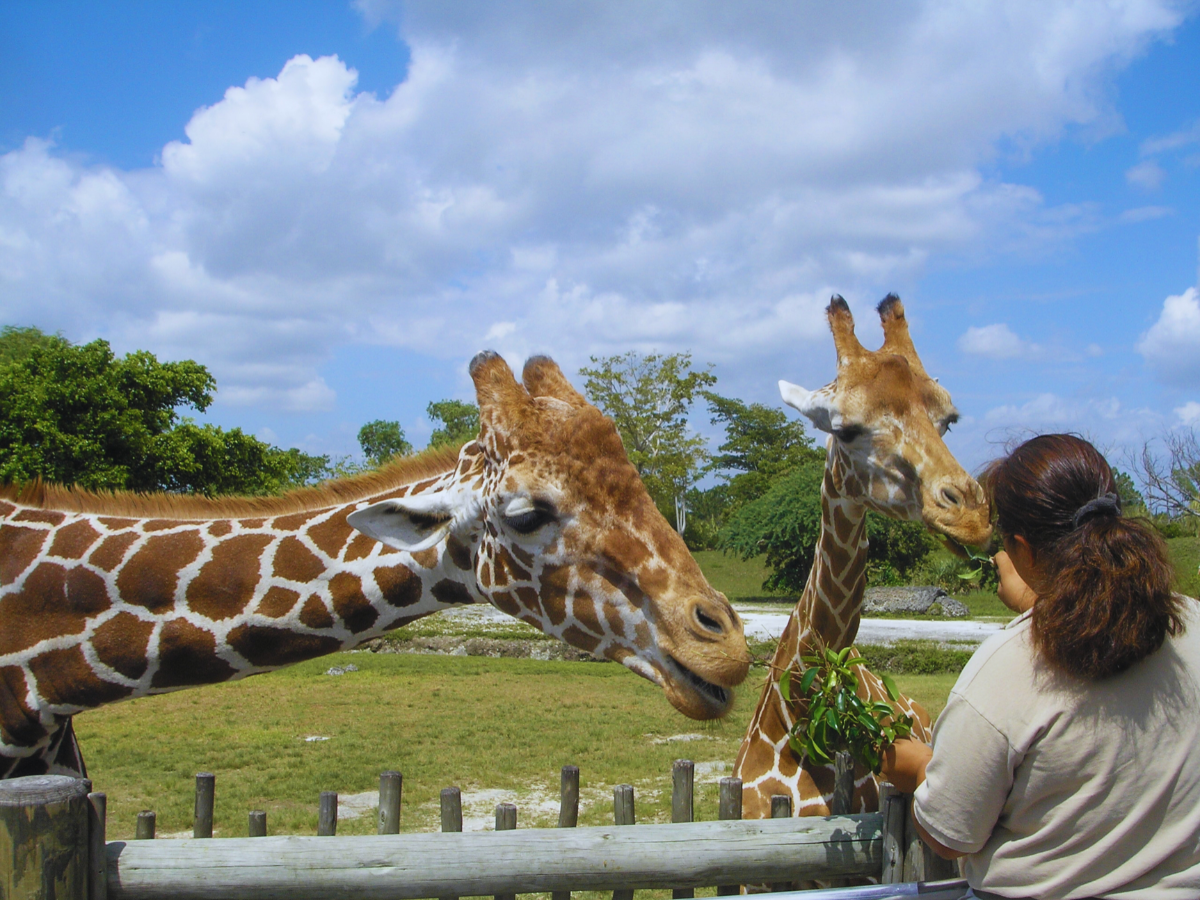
(766, 622)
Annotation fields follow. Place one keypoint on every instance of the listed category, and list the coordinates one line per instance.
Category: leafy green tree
(1131, 497)
(79, 415)
(785, 524)
(649, 398)
(459, 422)
(381, 440)
(17, 342)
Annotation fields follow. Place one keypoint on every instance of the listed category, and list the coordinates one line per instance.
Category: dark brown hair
(1107, 601)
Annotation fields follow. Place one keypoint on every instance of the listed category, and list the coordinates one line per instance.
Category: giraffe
(886, 419)
(107, 597)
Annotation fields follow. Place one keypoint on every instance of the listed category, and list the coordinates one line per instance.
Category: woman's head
(1104, 591)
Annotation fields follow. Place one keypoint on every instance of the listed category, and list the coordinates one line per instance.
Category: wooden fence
(52, 845)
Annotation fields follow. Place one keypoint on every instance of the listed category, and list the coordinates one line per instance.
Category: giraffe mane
(44, 495)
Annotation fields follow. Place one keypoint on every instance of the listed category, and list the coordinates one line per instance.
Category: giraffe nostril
(952, 497)
(707, 622)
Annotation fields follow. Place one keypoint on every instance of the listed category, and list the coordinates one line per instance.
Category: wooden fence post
(568, 810)
(146, 821)
(506, 820)
(202, 826)
(256, 824)
(97, 846)
(327, 814)
(391, 785)
(683, 781)
(891, 804)
(730, 808)
(781, 808)
(451, 803)
(44, 838)
(843, 785)
(623, 814)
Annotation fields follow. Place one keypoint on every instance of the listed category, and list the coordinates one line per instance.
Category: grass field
(500, 729)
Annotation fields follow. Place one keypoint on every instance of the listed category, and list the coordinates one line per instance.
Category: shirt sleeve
(968, 779)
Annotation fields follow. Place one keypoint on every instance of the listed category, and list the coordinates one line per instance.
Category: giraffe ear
(810, 404)
(409, 523)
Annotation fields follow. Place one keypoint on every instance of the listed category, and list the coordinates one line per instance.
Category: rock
(933, 601)
(509, 648)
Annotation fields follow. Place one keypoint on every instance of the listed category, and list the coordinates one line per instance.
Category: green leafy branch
(838, 719)
(978, 562)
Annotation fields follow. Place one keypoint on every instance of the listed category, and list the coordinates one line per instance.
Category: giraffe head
(553, 525)
(886, 419)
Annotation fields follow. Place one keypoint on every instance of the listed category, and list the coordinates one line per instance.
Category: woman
(1067, 760)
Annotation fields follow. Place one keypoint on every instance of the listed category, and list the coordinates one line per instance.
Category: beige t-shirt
(1060, 788)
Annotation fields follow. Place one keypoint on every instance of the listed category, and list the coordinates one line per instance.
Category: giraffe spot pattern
(349, 603)
(220, 528)
(18, 548)
(331, 535)
(110, 553)
(151, 575)
(268, 647)
(277, 602)
(41, 516)
(72, 541)
(53, 601)
(314, 614)
(187, 656)
(399, 586)
(295, 562)
(226, 583)
(19, 725)
(447, 591)
(428, 558)
(360, 547)
(121, 644)
(64, 678)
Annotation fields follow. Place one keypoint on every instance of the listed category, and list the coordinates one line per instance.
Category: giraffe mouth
(717, 699)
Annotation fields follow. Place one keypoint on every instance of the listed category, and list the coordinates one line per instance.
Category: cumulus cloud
(1171, 347)
(1189, 413)
(995, 342)
(580, 178)
(1147, 175)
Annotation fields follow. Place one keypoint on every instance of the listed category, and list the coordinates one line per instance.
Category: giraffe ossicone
(105, 597)
(886, 419)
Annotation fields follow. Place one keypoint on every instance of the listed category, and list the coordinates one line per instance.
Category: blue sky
(335, 205)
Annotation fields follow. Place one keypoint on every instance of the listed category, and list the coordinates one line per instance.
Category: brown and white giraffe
(885, 418)
(105, 597)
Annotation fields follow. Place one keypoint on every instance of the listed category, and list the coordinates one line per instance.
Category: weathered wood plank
(44, 838)
(404, 867)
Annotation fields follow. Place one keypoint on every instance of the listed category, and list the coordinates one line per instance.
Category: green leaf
(889, 685)
(806, 680)
(785, 685)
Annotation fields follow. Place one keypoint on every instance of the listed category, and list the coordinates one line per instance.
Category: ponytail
(1107, 601)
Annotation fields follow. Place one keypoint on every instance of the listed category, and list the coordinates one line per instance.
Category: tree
(785, 524)
(17, 342)
(381, 440)
(1172, 482)
(459, 422)
(649, 398)
(761, 443)
(79, 415)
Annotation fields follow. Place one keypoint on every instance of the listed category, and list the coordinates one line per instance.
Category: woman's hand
(1013, 591)
(904, 763)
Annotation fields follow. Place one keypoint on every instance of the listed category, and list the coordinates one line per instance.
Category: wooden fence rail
(409, 866)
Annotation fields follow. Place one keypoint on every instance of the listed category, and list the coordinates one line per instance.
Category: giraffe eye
(525, 517)
(847, 434)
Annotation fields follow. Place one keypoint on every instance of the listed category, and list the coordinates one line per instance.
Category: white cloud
(1145, 213)
(597, 176)
(1147, 175)
(1189, 413)
(994, 342)
(1171, 347)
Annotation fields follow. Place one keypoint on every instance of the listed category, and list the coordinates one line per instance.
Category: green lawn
(1185, 556)
(500, 726)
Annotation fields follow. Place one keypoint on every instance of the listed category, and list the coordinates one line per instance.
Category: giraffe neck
(829, 608)
(96, 608)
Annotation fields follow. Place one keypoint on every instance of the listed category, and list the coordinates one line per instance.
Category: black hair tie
(1108, 505)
